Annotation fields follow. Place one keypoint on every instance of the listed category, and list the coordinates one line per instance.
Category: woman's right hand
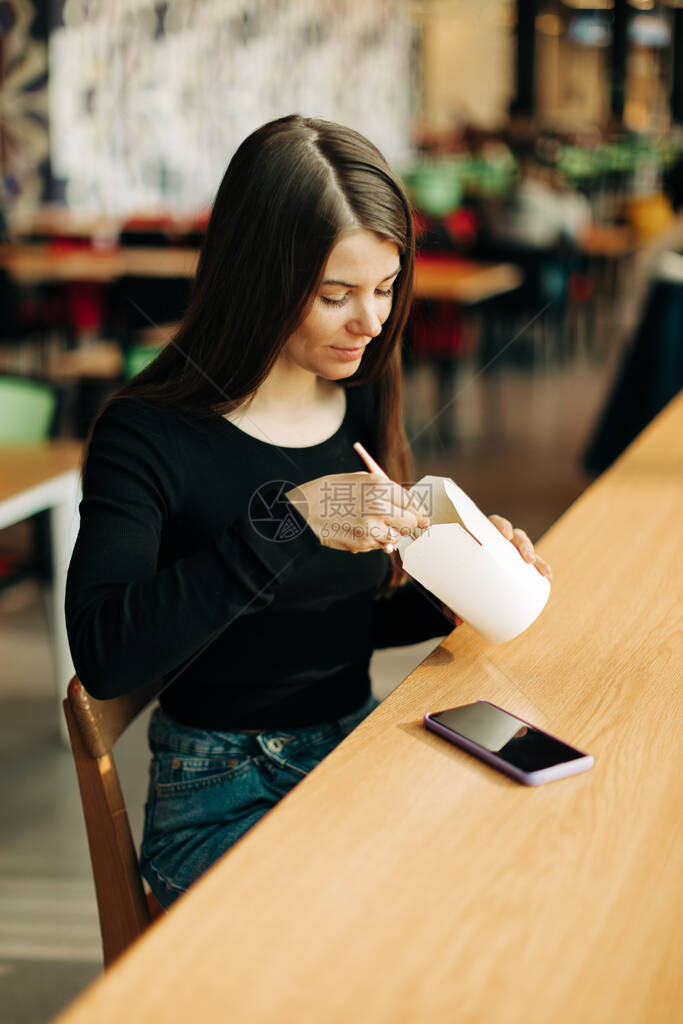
(358, 511)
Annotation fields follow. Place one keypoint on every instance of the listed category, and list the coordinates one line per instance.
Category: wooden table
(58, 220)
(463, 281)
(33, 478)
(608, 240)
(42, 264)
(405, 882)
(99, 360)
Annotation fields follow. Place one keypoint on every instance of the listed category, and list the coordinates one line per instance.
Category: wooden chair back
(94, 727)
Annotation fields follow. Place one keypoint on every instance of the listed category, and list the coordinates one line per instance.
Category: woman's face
(352, 303)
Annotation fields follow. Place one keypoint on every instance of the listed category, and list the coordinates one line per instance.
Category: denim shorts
(206, 789)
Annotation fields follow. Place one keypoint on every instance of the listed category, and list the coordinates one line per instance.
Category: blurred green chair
(27, 413)
(135, 359)
(436, 186)
(27, 410)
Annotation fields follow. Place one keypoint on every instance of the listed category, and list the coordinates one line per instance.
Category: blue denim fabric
(206, 789)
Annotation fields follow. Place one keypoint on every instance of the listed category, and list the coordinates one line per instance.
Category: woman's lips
(348, 353)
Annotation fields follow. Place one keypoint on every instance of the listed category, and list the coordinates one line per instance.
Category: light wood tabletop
(99, 359)
(608, 240)
(404, 881)
(25, 466)
(464, 281)
(37, 263)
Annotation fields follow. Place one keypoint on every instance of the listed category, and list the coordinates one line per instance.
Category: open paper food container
(468, 564)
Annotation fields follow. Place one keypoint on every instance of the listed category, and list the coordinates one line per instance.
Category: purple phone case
(537, 778)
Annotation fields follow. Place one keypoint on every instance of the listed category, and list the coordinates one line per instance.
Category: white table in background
(46, 476)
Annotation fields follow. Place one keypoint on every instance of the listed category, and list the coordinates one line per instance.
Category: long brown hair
(290, 191)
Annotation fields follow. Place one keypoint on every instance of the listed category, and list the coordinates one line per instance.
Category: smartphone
(508, 743)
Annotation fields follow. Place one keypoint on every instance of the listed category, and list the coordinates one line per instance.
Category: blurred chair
(28, 412)
(136, 358)
(125, 911)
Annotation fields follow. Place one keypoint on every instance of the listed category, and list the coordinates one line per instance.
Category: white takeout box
(484, 580)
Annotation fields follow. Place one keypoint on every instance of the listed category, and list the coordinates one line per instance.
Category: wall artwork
(24, 145)
(148, 101)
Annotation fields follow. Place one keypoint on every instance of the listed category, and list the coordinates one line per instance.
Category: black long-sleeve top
(191, 565)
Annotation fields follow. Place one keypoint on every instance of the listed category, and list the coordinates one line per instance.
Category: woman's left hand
(523, 545)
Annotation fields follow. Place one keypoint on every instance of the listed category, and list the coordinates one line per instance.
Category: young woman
(223, 497)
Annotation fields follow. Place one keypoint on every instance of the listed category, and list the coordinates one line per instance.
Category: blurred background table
(29, 263)
(43, 476)
(36, 263)
(462, 280)
(613, 240)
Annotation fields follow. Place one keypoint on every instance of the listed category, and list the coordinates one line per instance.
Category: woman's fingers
(356, 511)
(504, 525)
(543, 567)
(391, 538)
(405, 523)
(521, 541)
(419, 507)
(391, 501)
(523, 545)
(518, 537)
(526, 550)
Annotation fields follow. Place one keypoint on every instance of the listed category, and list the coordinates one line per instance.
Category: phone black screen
(522, 745)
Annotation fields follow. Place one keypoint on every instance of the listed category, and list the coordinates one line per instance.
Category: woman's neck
(288, 388)
(289, 421)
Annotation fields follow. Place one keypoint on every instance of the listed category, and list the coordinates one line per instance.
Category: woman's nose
(367, 322)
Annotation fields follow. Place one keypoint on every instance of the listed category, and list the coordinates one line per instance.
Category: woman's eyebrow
(345, 284)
